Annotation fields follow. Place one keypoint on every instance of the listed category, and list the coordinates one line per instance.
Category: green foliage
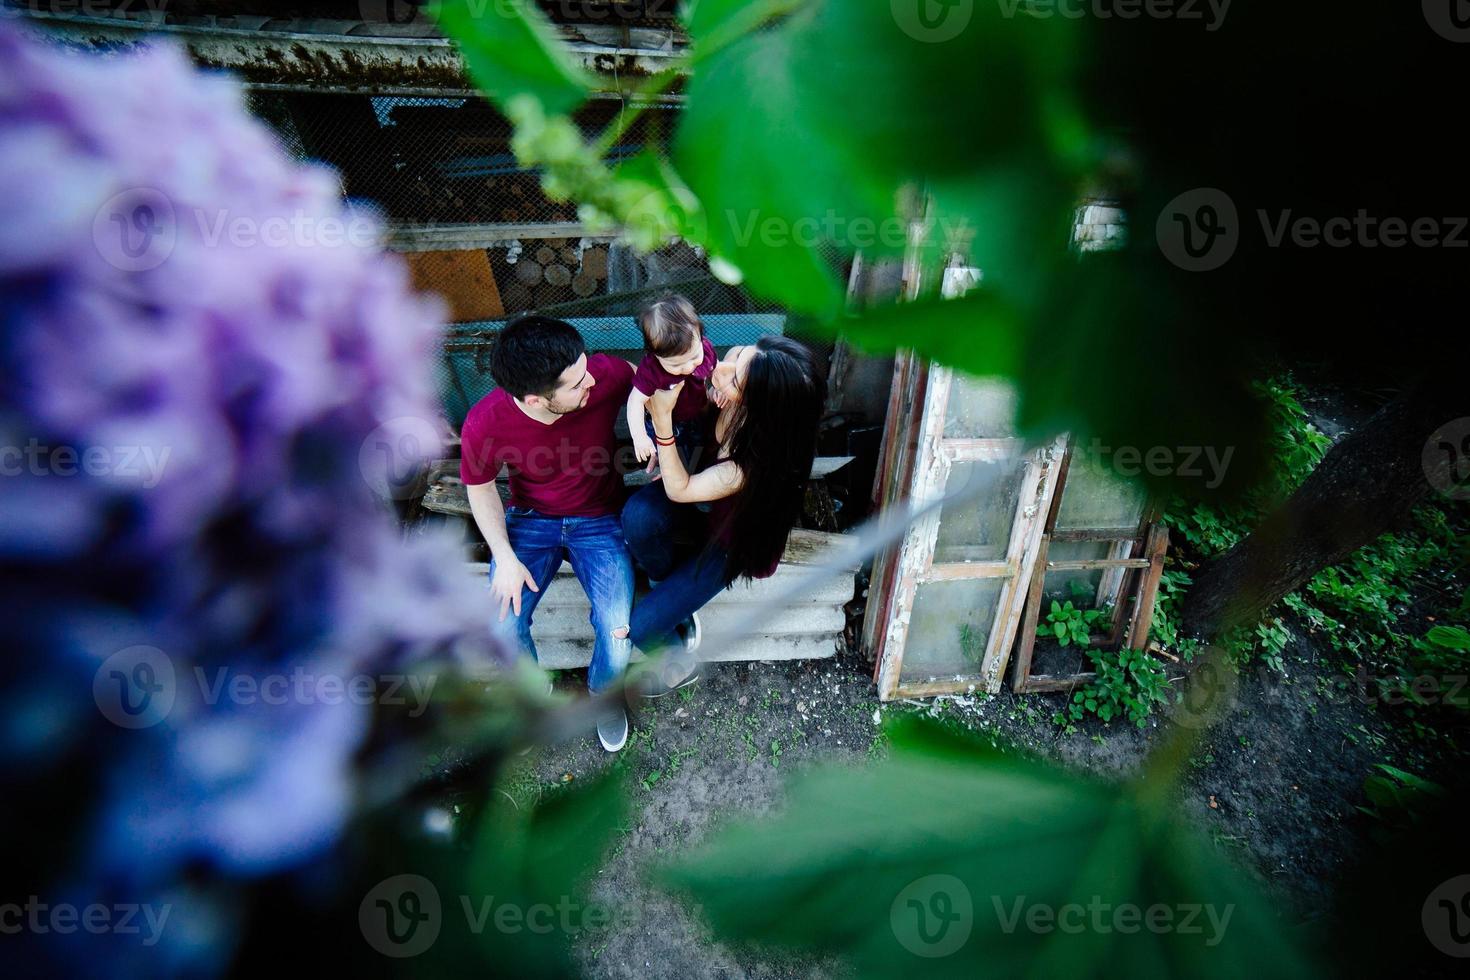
(1295, 447)
(1067, 625)
(776, 176)
(847, 868)
(511, 48)
(1398, 800)
(1129, 684)
(518, 857)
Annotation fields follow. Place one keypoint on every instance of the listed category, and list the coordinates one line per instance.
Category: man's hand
(505, 585)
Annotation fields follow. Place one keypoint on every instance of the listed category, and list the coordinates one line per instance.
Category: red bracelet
(663, 442)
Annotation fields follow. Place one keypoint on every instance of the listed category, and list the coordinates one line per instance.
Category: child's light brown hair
(670, 325)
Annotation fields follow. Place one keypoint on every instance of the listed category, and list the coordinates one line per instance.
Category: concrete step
(805, 624)
(570, 620)
(565, 590)
(563, 654)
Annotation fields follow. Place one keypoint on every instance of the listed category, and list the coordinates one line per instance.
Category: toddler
(677, 350)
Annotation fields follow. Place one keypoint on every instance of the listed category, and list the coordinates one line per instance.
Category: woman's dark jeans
(671, 543)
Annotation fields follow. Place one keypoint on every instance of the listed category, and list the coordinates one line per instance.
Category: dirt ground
(1274, 782)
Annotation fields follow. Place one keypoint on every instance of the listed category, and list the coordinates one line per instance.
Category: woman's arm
(720, 480)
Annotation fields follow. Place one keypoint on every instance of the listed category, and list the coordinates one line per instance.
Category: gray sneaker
(612, 729)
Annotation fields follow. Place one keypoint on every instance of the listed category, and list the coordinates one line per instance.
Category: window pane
(1095, 496)
(949, 628)
(978, 528)
(980, 408)
(1079, 586)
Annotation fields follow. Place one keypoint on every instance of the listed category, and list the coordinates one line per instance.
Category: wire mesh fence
(475, 227)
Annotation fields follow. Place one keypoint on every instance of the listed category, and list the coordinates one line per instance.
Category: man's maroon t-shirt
(652, 377)
(564, 468)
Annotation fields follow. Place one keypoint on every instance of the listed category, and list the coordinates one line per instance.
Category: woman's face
(729, 375)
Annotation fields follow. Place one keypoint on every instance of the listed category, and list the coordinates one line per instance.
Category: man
(550, 423)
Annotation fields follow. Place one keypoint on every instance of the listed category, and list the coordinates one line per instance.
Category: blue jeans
(671, 543)
(594, 546)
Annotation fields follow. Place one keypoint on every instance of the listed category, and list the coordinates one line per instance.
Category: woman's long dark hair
(773, 439)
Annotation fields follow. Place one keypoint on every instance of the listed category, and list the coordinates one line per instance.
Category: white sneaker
(612, 730)
(695, 634)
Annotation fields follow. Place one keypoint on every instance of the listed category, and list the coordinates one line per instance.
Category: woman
(765, 434)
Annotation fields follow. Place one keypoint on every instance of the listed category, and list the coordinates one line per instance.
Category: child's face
(687, 362)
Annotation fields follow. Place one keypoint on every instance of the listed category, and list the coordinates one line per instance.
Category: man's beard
(555, 409)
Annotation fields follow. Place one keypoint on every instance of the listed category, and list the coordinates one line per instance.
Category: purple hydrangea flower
(197, 344)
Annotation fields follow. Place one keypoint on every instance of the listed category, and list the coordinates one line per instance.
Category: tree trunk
(1366, 486)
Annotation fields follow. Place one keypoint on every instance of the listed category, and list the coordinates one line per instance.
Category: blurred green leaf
(1455, 638)
(1027, 864)
(535, 864)
(713, 23)
(978, 333)
(510, 49)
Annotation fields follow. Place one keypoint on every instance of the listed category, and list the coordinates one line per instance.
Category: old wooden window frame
(1126, 579)
(923, 468)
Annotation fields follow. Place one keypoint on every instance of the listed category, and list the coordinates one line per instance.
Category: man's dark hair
(531, 352)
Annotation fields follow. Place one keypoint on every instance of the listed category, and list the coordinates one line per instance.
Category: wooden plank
(980, 450)
(1029, 521)
(1093, 564)
(1026, 643)
(1094, 534)
(916, 552)
(955, 571)
(463, 278)
(1050, 684)
(1143, 612)
(899, 428)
